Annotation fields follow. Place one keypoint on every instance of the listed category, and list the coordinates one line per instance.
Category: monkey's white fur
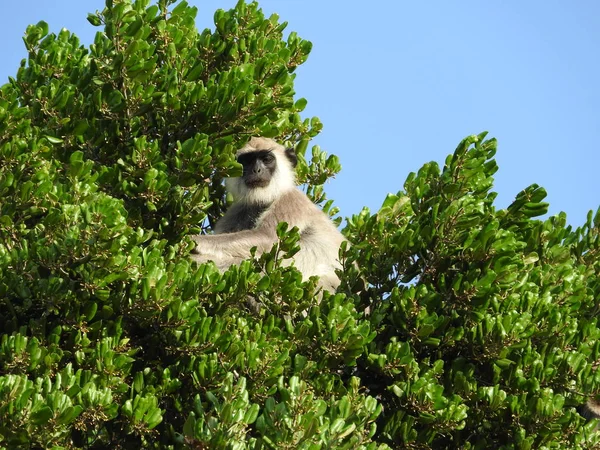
(280, 201)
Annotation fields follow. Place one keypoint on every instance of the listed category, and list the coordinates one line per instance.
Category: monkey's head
(268, 171)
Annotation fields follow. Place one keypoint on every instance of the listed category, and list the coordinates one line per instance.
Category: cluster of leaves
(465, 326)
(488, 336)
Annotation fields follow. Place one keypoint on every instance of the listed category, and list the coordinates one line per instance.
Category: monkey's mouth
(256, 183)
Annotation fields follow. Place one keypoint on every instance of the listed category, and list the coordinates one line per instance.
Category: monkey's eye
(244, 159)
(268, 158)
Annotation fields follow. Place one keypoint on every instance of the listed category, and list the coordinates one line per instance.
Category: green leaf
(300, 104)
(70, 414)
(94, 20)
(153, 418)
(42, 415)
(251, 414)
(54, 140)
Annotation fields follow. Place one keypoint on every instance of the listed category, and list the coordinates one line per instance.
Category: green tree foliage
(457, 325)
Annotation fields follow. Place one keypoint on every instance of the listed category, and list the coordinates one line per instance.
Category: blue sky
(400, 83)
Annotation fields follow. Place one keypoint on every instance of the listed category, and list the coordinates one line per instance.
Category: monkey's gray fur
(265, 195)
(591, 410)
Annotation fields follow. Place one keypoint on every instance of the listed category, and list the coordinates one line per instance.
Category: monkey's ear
(291, 155)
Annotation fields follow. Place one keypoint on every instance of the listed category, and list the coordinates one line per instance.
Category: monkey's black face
(259, 167)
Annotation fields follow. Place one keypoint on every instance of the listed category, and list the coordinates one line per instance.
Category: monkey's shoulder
(294, 205)
(295, 208)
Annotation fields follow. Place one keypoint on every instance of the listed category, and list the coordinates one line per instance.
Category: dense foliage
(457, 324)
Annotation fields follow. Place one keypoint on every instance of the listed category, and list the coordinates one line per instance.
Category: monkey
(265, 195)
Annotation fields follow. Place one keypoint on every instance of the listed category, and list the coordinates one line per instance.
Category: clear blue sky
(398, 84)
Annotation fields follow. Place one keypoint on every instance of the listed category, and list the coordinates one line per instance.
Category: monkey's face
(268, 171)
(259, 167)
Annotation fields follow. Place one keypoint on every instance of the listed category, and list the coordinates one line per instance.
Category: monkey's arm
(227, 248)
(232, 247)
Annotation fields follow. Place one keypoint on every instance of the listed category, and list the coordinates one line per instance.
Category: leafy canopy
(457, 324)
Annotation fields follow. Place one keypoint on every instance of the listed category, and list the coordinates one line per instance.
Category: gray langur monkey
(265, 195)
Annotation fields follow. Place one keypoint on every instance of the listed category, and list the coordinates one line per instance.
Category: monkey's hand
(204, 250)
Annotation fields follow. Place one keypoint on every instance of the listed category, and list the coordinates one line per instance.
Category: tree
(457, 325)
